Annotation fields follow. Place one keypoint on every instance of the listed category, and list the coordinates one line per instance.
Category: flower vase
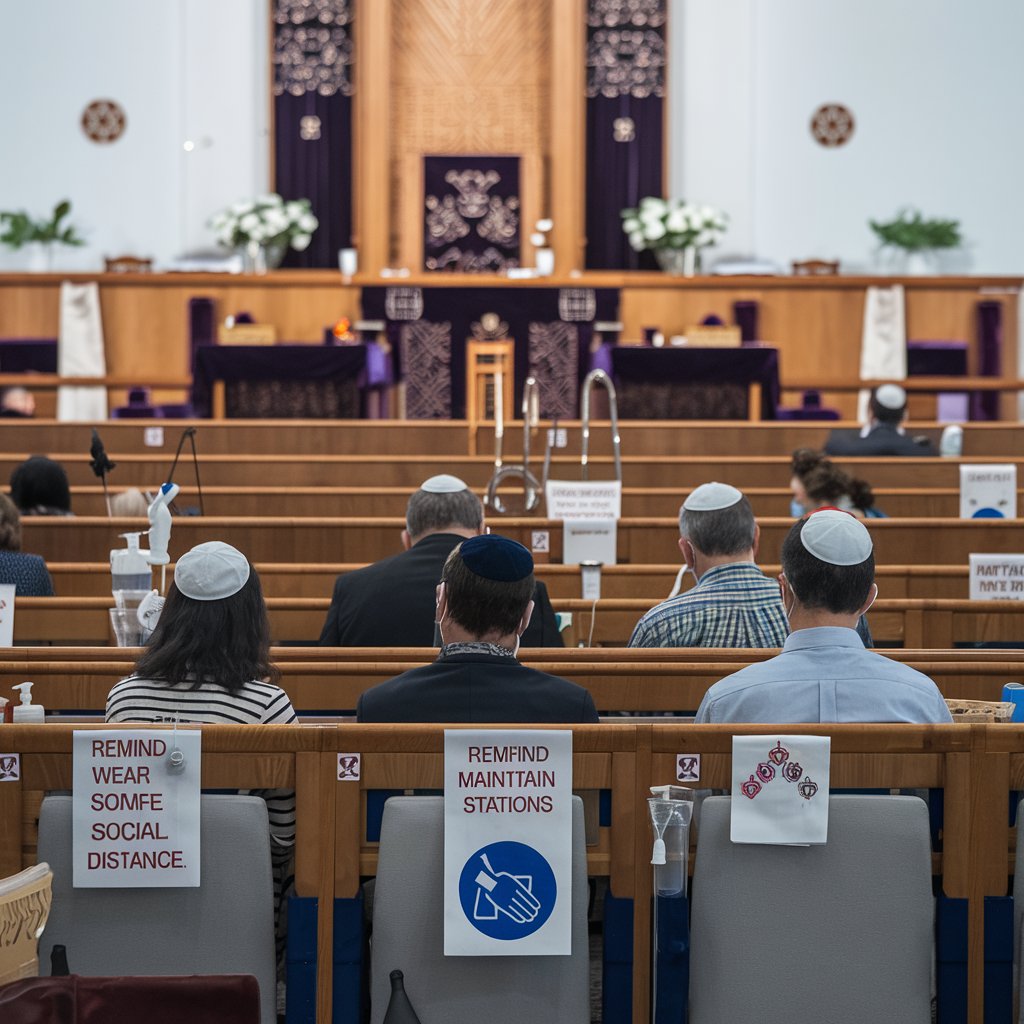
(919, 264)
(679, 262)
(40, 257)
(260, 257)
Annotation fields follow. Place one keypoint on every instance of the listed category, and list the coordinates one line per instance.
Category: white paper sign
(988, 492)
(507, 842)
(780, 789)
(584, 499)
(7, 614)
(589, 540)
(135, 823)
(997, 577)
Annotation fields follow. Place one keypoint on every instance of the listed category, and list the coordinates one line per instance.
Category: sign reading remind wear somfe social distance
(135, 811)
(507, 842)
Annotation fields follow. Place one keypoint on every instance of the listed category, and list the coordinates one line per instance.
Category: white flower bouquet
(267, 221)
(672, 224)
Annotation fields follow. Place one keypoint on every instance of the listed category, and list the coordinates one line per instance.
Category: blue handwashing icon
(507, 890)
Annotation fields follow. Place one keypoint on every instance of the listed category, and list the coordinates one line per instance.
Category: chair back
(24, 906)
(408, 935)
(840, 932)
(223, 926)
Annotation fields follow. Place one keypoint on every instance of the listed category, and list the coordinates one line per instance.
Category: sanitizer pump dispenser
(26, 711)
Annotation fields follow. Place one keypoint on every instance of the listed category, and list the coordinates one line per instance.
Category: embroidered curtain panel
(313, 85)
(625, 126)
(471, 213)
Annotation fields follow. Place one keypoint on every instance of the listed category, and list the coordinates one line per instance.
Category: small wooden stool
(485, 362)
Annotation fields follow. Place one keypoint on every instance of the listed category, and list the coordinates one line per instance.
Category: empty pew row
(258, 500)
(651, 582)
(976, 769)
(320, 686)
(348, 539)
(457, 437)
(682, 472)
(912, 622)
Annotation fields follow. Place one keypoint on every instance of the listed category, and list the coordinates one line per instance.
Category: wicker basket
(980, 710)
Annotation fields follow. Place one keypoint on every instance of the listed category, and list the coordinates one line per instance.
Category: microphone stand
(190, 433)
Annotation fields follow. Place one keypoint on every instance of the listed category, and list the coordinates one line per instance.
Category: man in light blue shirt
(733, 604)
(824, 673)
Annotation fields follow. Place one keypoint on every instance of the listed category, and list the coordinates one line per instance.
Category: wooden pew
(912, 622)
(455, 437)
(641, 541)
(650, 582)
(681, 472)
(255, 500)
(329, 682)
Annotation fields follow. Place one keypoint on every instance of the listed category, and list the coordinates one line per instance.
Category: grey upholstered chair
(840, 932)
(408, 923)
(224, 926)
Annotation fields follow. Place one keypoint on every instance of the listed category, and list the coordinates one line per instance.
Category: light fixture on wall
(832, 125)
(104, 121)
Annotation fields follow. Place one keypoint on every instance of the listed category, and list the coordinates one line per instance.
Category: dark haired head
(481, 606)
(882, 413)
(224, 642)
(839, 589)
(826, 484)
(430, 512)
(10, 525)
(39, 486)
(720, 531)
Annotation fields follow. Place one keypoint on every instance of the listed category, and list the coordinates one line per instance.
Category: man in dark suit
(391, 603)
(484, 603)
(884, 433)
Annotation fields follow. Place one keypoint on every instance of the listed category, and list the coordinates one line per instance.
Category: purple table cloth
(690, 383)
(297, 377)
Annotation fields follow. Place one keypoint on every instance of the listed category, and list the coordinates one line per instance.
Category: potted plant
(20, 230)
(917, 236)
(263, 229)
(674, 229)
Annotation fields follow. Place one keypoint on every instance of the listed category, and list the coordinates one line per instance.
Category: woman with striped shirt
(208, 662)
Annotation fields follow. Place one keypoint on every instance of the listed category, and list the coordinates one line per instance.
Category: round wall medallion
(104, 121)
(832, 124)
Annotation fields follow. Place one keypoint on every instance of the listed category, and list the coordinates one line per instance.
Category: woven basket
(980, 710)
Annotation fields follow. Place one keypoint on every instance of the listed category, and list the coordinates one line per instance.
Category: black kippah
(496, 558)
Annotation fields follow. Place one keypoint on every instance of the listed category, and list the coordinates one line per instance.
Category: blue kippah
(496, 558)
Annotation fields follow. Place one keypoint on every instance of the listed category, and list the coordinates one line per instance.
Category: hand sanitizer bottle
(26, 711)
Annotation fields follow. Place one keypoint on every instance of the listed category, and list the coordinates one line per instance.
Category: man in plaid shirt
(733, 604)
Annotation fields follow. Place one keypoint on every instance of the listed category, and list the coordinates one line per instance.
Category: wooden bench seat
(650, 582)
(327, 681)
(346, 539)
(681, 472)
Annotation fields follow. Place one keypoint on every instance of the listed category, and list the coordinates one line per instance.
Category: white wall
(181, 69)
(935, 88)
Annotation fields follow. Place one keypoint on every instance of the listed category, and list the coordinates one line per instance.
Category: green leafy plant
(20, 228)
(914, 233)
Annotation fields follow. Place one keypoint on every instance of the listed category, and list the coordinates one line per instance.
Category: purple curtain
(313, 52)
(625, 127)
(985, 404)
(471, 213)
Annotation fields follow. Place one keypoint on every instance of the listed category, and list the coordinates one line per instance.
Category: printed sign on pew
(507, 842)
(590, 511)
(997, 577)
(135, 818)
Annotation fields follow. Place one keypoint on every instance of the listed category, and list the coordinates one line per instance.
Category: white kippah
(443, 483)
(712, 496)
(891, 396)
(211, 571)
(836, 537)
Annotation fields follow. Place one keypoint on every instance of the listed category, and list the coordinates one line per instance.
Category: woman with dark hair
(817, 482)
(208, 662)
(39, 487)
(28, 573)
